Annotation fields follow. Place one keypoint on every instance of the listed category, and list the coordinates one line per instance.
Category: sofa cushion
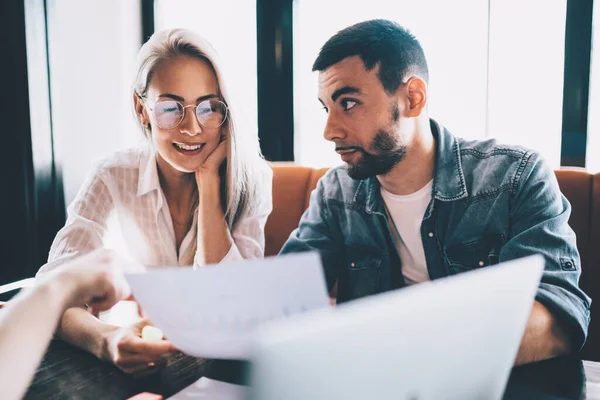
(290, 188)
(576, 185)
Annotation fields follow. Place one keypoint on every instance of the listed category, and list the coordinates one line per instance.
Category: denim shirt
(490, 203)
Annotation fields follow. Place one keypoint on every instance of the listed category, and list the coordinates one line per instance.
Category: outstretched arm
(28, 322)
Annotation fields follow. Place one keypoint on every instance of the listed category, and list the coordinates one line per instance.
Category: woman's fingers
(135, 355)
(142, 366)
(126, 360)
(215, 159)
(135, 363)
(135, 344)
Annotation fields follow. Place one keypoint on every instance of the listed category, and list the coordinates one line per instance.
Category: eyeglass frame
(144, 100)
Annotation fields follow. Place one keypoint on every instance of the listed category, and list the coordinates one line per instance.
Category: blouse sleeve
(86, 222)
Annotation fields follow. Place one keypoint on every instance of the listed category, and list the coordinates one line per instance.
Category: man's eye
(348, 104)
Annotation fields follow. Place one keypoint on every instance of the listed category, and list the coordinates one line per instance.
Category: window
(527, 74)
(91, 73)
(593, 129)
(477, 65)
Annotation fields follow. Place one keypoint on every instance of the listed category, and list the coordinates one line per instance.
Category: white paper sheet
(213, 311)
(209, 389)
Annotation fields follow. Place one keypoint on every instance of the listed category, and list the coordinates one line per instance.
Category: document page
(213, 311)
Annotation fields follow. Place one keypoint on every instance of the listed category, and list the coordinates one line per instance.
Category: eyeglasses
(169, 114)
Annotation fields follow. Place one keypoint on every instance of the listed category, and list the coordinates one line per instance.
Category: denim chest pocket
(475, 254)
(362, 269)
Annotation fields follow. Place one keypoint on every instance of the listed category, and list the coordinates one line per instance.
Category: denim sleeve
(316, 232)
(539, 216)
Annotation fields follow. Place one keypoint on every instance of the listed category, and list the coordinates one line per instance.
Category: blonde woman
(198, 193)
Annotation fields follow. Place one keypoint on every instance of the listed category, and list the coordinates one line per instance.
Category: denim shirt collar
(448, 181)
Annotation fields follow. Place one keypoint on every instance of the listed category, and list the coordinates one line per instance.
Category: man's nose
(333, 130)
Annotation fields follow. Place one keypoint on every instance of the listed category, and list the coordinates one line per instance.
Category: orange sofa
(293, 184)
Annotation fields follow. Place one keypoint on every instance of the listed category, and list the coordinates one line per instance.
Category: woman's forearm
(80, 328)
(214, 238)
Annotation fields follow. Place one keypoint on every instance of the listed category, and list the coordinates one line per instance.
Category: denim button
(481, 263)
(567, 264)
(430, 234)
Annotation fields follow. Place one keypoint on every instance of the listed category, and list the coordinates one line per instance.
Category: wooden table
(69, 373)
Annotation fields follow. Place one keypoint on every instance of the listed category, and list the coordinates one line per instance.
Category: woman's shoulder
(265, 170)
(122, 160)
(122, 167)
(263, 175)
(263, 189)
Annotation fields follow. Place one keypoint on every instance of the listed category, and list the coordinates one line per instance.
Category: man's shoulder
(489, 166)
(496, 156)
(491, 148)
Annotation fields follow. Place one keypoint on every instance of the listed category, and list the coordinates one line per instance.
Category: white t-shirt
(406, 214)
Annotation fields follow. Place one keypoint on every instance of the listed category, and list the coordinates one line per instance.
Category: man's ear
(417, 96)
(140, 110)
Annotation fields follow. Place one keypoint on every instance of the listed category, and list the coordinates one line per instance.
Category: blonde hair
(239, 179)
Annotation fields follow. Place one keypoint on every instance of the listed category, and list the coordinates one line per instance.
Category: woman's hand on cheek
(214, 160)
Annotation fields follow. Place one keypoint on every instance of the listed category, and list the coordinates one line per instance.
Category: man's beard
(384, 153)
(387, 153)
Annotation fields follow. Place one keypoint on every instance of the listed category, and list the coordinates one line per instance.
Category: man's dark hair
(377, 41)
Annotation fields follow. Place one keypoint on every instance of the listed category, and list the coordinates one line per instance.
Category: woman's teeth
(188, 147)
